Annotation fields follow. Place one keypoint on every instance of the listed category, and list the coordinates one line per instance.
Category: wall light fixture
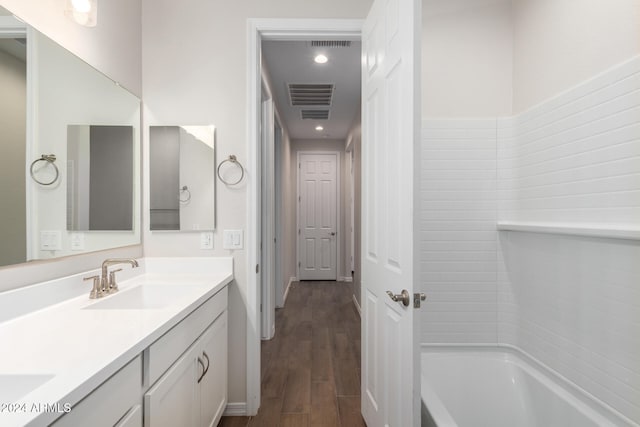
(84, 12)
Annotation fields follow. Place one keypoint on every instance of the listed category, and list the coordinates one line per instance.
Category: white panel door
(390, 136)
(317, 216)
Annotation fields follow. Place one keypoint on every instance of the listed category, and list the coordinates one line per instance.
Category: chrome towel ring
(184, 195)
(50, 159)
(233, 160)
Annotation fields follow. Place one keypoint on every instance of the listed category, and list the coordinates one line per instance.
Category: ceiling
(292, 62)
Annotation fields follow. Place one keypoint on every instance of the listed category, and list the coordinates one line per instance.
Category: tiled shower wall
(571, 302)
(458, 230)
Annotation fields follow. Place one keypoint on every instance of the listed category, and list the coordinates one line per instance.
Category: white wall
(466, 58)
(113, 46)
(558, 44)
(354, 141)
(288, 208)
(195, 72)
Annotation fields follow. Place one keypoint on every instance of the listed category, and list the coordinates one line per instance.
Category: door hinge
(298, 264)
(299, 166)
(298, 231)
(299, 198)
(257, 268)
(260, 307)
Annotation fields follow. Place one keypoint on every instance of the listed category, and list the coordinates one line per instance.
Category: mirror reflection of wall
(13, 110)
(100, 177)
(182, 178)
(43, 89)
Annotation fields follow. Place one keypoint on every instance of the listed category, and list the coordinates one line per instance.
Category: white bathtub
(496, 387)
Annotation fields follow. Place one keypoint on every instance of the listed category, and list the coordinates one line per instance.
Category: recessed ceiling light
(319, 128)
(321, 59)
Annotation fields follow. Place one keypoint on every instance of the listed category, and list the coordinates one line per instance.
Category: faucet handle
(113, 285)
(96, 291)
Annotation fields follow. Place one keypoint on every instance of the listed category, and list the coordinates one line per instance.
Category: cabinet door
(213, 385)
(173, 400)
(132, 419)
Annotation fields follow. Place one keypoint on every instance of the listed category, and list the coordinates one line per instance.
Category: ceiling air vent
(310, 94)
(315, 114)
(330, 43)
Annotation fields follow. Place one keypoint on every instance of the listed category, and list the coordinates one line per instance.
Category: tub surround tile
(571, 302)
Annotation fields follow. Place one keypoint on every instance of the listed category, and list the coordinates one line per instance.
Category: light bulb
(82, 6)
(321, 59)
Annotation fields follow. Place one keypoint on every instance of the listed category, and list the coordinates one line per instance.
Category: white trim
(257, 30)
(338, 207)
(345, 279)
(355, 302)
(286, 291)
(605, 230)
(254, 77)
(235, 409)
(267, 198)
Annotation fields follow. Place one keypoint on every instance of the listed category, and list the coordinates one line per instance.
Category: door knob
(333, 233)
(402, 297)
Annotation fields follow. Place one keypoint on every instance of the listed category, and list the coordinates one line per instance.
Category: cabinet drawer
(167, 349)
(110, 402)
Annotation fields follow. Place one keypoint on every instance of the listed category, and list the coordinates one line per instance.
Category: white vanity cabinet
(193, 390)
(116, 402)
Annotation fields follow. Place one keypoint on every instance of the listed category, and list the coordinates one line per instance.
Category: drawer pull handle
(204, 371)
(206, 356)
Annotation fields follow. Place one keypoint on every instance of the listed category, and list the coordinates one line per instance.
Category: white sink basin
(144, 297)
(15, 386)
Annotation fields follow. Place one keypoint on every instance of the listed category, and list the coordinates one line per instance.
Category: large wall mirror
(182, 178)
(70, 145)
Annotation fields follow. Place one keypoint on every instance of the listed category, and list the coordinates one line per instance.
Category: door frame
(267, 249)
(258, 30)
(338, 209)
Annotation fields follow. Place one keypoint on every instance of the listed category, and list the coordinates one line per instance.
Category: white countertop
(81, 348)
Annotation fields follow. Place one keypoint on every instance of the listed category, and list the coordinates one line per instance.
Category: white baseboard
(286, 291)
(235, 409)
(345, 279)
(355, 302)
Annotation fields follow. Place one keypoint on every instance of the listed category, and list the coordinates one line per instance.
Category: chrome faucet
(108, 280)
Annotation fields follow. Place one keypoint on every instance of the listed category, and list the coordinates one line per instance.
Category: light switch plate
(50, 240)
(77, 241)
(233, 239)
(206, 240)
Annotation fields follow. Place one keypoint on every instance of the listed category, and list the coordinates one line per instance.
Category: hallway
(311, 368)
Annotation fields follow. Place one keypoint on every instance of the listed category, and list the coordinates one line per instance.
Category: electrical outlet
(206, 240)
(77, 241)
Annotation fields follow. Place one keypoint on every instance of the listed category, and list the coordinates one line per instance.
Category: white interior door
(390, 135)
(317, 216)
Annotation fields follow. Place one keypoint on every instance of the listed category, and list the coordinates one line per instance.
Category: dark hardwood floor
(311, 368)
